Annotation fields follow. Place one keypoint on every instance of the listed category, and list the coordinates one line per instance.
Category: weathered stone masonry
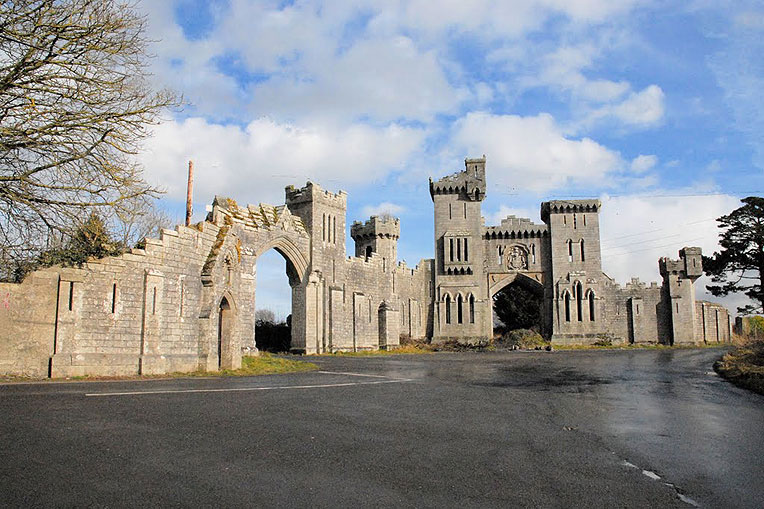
(187, 300)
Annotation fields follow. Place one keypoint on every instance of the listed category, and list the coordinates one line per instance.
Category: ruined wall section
(27, 324)
(135, 313)
(714, 321)
(635, 313)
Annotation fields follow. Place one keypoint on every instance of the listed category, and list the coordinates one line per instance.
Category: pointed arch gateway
(302, 328)
(226, 332)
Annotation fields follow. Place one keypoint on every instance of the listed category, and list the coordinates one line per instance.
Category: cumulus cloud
(384, 208)
(403, 82)
(643, 163)
(533, 152)
(639, 110)
(637, 230)
(254, 163)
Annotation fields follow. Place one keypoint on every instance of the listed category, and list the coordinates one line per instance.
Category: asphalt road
(516, 429)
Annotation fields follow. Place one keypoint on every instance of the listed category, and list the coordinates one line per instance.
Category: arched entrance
(276, 281)
(518, 303)
(302, 322)
(225, 326)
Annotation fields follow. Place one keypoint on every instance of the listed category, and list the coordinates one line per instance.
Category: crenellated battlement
(313, 192)
(568, 207)
(470, 183)
(376, 226)
(689, 265)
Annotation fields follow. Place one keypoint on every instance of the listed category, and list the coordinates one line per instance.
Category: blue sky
(653, 107)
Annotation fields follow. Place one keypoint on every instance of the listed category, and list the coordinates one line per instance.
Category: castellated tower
(462, 308)
(575, 269)
(679, 292)
(323, 214)
(379, 235)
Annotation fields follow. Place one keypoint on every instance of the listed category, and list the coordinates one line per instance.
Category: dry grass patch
(744, 366)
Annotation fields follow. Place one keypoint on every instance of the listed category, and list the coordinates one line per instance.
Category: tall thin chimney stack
(190, 193)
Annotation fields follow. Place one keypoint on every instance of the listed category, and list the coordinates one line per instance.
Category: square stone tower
(379, 235)
(576, 268)
(679, 293)
(324, 215)
(462, 310)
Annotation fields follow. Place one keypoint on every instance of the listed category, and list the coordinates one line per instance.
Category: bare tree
(75, 103)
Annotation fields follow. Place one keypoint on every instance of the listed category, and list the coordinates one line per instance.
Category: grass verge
(744, 366)
(264, 364)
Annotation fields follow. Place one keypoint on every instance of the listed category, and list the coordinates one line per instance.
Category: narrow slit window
(113, 298)
(323, 229)
(472, 309)
(71, 294)
(567, 307)
(579, 302)
(533, 253)
(465, 211)
(584, 219)
(459, 249)
(591, 306)
(334, 229)
(448, 309)
(570, 250)
(154, 302)
(451, 244)
(459, 309)
(449, 211)
(575, 222)
(466, 256)
(583, 257)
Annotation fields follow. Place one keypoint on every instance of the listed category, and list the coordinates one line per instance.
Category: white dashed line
(355, 374)
(245, 389)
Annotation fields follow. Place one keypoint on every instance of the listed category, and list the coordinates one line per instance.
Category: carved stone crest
(516, 258)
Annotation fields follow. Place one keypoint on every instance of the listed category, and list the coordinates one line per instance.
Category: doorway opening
(275, 279)
(517, 314)
(224, 330)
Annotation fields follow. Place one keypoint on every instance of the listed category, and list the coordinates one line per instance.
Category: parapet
(689, 264)
(470, 182)
(377, 226)
(568, 206)
(314, 192)
(515, 227)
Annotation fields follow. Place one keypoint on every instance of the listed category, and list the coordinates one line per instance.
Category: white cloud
(643, 163)
(384, 79)
(255, 163)
(637, 230)
(639, 110)
(384, 208)
(532, 152)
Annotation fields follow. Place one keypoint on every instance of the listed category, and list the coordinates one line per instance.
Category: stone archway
(525, 294)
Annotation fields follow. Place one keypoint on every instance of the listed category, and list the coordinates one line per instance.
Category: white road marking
(651, 475)
(687, 500)
(355, 374)
(243, 389)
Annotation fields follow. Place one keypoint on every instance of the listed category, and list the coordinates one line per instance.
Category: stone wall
(187, 300)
